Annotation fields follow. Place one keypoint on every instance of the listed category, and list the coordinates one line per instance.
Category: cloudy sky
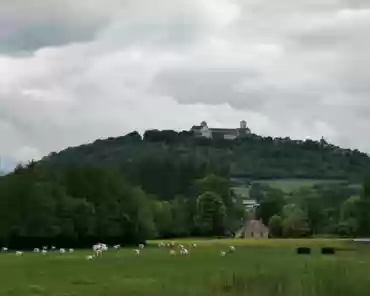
(74, 71)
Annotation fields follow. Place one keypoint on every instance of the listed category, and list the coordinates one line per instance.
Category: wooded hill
(253, 157)
(167, 184)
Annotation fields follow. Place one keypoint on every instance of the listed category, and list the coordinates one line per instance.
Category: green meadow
(257, 268)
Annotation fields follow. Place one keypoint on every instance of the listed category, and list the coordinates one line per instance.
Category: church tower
(243, 124)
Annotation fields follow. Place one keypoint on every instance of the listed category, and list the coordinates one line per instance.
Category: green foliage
(347, 228)
(295, 223)
(74, 205)
(270, 205)
(178, 157)
(211, 214)
(276, 226)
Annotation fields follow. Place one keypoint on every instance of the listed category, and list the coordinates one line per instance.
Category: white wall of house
(206, 132)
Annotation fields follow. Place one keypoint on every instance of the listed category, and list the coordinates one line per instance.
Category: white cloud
(290, 68)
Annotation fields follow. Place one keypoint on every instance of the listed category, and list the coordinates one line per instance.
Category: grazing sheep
(99, 248)
(89, 257)
(161, 244)
(184, 252)
(44, 252)
(18, 253)
(4, 249)
(62, 251)
(172, 252)
(141, 246)
(223, 253)
(44, 248)
(232, 249)
(96, 247)
(53, 248)
(137, 252)
(71, 250)
(116, 247)
(194, 245)
(36, 250)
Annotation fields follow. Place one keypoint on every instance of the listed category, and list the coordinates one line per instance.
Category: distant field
(257, 268)
(287, 185)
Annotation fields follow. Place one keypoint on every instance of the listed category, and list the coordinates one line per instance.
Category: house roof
(256, 225)
(196, 127)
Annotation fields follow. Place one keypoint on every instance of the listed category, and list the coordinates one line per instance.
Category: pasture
(257, 268)
(287, 185)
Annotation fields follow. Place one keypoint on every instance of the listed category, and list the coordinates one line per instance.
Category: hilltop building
(203, 130)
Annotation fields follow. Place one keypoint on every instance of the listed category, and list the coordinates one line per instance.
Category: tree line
(79, 205)
(336, 209)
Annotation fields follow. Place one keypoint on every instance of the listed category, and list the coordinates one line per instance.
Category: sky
(75, 71)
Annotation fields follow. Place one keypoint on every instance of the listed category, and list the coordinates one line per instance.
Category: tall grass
(255, 269)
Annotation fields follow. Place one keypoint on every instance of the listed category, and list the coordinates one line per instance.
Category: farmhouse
(253, 229)
(203, 130)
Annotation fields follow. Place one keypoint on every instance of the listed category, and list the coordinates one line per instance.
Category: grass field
(257, 268)
(287, 185)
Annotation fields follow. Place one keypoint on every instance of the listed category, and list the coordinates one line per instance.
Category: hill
(168, 184)
(252, 157)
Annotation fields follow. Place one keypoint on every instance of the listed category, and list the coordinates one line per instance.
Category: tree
(276, 226)
(181, 226)
(312, 204)
(233, 204)
(163, 218)
(270, 205)
(347, 228)
(211, 214)
(256, 192)
(295, 224)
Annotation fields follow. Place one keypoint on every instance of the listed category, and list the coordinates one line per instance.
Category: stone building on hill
(203, 130)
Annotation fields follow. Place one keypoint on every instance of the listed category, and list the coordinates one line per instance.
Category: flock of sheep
(100, 248)
(44, 250)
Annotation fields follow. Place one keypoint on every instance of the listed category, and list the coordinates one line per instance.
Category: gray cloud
(98, 69)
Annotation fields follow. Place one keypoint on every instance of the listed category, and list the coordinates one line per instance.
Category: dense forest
(168, 184)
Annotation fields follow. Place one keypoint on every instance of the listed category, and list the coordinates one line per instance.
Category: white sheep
(232, 249)
(62, 250)
(89, 257)
(184, 252)
(53, 248)
(18, 253)
(99, 248)
(194, 245)
(71, 250)
(223, 253)
(137, 252)
(36, 250)
(172, 252)
(141, 246)
(4, 249)
(161, 244)
(44, 247)
(116, 247)
(44, 252)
